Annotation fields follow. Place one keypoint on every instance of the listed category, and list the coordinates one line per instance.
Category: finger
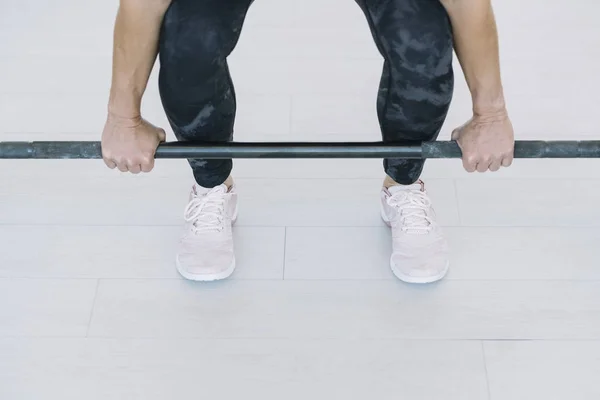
(134, 168)
(495, 165)
(507, 161)
(455, 134)
(483, 165)
(162, 136)
(122, 166)
(470, 163)
(148, 165)
(109, 163)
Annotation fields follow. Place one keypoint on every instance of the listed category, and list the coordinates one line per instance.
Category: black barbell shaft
(92, 150)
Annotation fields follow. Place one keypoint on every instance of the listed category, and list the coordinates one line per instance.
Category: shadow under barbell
(440, 149)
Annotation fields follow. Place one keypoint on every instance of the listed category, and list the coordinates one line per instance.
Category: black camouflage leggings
(413, 36)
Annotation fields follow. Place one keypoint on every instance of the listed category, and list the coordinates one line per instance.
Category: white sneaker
(420, 252)
(206, 247)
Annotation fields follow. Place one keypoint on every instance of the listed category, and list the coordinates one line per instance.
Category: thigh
(201, 33)
(415, 38)
(196, 89)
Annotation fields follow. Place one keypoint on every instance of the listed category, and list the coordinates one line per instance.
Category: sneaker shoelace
(206, 212)
(413, 210)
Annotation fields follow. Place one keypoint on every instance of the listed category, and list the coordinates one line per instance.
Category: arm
(134, 53)
(476, 45)
(487, 140)
(128, 141)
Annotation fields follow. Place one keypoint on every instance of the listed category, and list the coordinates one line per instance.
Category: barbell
(200, 150)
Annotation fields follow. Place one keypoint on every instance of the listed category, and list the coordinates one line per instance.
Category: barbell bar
(191, 150)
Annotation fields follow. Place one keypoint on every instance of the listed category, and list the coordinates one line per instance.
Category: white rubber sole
(413, 279)
(205, 277)
(419, 279)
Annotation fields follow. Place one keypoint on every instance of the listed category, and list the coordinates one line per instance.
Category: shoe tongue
(416, 218)
(201, 191)
(209, 208)
(404, 188)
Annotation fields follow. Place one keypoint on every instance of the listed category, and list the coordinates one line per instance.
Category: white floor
(91, 306)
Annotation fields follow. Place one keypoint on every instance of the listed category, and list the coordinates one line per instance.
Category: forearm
(476, 45)
(136, 33)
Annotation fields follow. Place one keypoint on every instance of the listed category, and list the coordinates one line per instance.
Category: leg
(195, 85)
(196, 38)
(415, 39)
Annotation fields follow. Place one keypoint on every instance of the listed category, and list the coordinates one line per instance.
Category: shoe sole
(419, 279)
(205, 277)
(414, 279)
(209, 277)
